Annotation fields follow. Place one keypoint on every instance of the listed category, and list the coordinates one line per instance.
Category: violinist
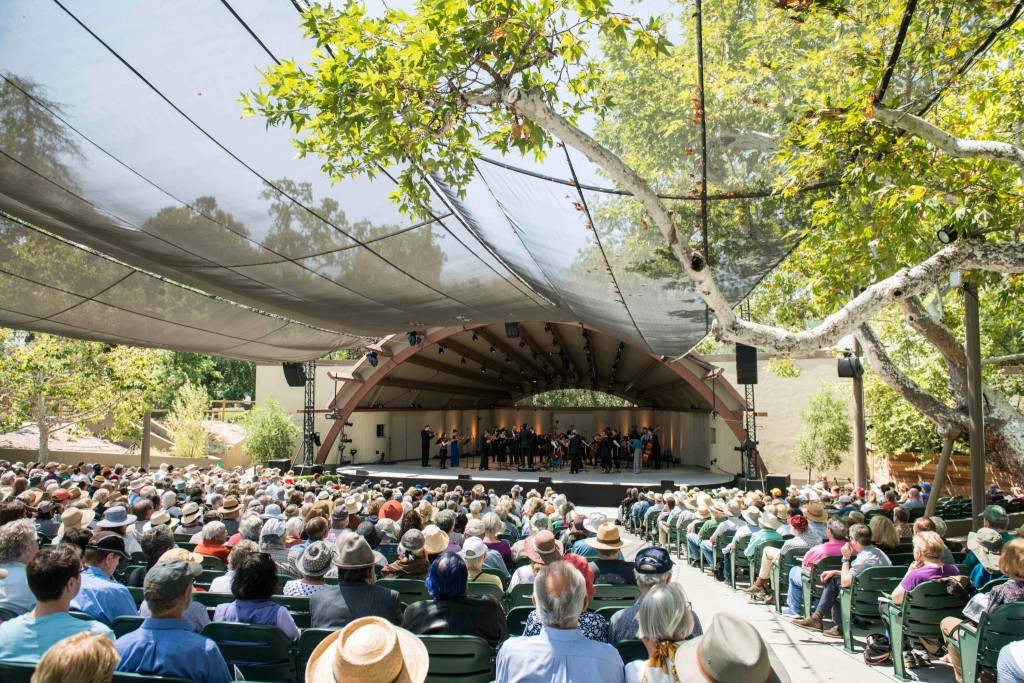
(485, 451)
(442, 451)
(575, 452)
(426, 436)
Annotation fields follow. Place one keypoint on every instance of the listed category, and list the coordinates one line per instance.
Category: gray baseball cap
(166, 580)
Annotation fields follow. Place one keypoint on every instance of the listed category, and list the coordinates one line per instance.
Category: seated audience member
(867, 556)
(165, 644)
(1011, 564)
(253, 586)
(665, 621)
(538, 522)
(411, 562)
(155, 541)
(803, 539)
(494, 526)
(313, 565)
(191, 519)
(913, 501)
(926, 524)
(884, 535)
(591, 624)
(473, 553)
(272, 543)
(837, 532)
(54, 577)
(355, 596)
(242, 549)
(608, 568)
(369, 649)
(901, 520)
(1010, 665)
(561, 652)
(731, 650)
(889, 501)
(651, 567)
(435, 541)
(73, 519)
(80, 658)
(542, 549)
(101, 597)
(195, 614)
(993, 517)
(452, 611)
(927, 565)
(475, 529)
(117, 520)
(986, 545)
(230, 510)
(19, 544)
(214, 538)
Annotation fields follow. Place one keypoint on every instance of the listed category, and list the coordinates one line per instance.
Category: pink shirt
(823, 550)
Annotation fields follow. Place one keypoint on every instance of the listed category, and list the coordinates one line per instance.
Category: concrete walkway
(808, 656)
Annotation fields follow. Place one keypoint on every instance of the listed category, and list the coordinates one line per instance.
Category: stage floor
(591, 487)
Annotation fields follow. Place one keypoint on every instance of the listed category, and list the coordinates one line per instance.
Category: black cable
(897, 48)
(975, 55)
(604, 256)
(250, 31)
(703, 151)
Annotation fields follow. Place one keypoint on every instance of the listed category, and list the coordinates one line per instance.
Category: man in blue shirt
(54, 575)
(561, 653)
(19, 543)
(101, 597)
(166, 644)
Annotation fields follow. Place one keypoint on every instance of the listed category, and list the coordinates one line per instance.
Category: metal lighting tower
(308, 415)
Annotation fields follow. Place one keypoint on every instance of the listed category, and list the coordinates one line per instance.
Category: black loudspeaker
(746, 364)
(294, 374)
(777, 481)
(851, 367)
(283, 465)
(465, 477)
(667, 484)
(308, 470)
(544, 480)
(512, 330)
(529, 469)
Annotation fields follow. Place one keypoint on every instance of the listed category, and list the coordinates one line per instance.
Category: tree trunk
(940, 476)
(44, 430)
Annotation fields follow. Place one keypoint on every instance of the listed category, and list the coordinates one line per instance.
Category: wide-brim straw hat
(731, 650)
(75, 518)
(751, 515)
(815, 512)
(160, 518)
(434, 540)
(607, 538)
(369, 650)
(769, 520)
(987, 546)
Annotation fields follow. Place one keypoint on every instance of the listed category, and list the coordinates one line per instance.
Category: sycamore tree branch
(949, 422)
(943, 339)
(1004, 360)
(996, 257)
(947, 142)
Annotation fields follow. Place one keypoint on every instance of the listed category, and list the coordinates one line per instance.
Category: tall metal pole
(975, 410)
(147, 440)
(860, 446)
(309, 415)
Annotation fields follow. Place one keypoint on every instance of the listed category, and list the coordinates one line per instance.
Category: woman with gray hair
(665, 621)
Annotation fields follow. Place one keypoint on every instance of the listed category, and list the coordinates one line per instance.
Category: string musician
(485, 451)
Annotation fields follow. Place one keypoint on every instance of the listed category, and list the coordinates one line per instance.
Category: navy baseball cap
(653, 561)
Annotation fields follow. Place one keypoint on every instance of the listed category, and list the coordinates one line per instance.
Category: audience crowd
(75, 541)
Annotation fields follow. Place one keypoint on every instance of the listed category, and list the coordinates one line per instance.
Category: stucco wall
(783, 399)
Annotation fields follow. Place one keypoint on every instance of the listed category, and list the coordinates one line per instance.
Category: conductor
(425, 437)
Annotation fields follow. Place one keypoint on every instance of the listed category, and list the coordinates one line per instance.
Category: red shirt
(889, 505)
(219, 551)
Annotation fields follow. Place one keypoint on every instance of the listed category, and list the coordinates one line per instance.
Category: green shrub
(270, 432)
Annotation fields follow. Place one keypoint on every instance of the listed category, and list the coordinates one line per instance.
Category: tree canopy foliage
(827, 433)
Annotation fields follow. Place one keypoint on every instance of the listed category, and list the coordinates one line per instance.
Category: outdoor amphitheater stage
(590, 487)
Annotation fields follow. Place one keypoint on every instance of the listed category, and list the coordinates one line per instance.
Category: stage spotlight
(553, 342)
(483, 369)
(501, 378)
(492, 349)
(413, 338)
(440, 348)
(511, 330)
(534, 355)
(522, 344)
(508, 360)
(547, 328)
(947, 235)
(462, 360)
(665, 359)
(371, 356)
(475, 337)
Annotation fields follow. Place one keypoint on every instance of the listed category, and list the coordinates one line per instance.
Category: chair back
(927, 605)
(505, 578)
(488, 589)
(125, 625)
(211, 600)
(261, 653)
(466, 659)
(7, 614)
(137, 594)
(998, 628)
(869, 585)
(211, 562)
(521, 596)
(516, 619)
(989, 585)
(609, 612)
(631, 650)
(609, 595)
(298, 607)
(409, 590)
(307, 642)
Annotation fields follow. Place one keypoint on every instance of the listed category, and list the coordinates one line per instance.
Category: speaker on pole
(294, 374)
(746, 364)
(850, 367)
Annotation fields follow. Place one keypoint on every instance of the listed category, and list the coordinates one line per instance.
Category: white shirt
(558, 656)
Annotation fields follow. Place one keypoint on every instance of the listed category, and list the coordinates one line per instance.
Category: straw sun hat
(369, 650)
